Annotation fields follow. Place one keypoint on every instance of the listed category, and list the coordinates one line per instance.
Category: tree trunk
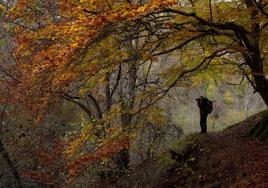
(255, 63)
(126, 118)
(10, 164)
(122, 162)
(261, 85)
(253, 57)
(108, 96)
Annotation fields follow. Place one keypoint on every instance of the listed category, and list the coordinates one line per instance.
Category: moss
(165, 161)
(186, 141)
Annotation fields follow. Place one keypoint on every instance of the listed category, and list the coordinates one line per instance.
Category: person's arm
(199, 102)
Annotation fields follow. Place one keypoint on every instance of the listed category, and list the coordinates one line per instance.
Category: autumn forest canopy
(91, 90)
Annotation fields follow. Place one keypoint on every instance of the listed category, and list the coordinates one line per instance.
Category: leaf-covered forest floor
(229, 158)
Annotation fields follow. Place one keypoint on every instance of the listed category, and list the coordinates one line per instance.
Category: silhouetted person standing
(205, 108)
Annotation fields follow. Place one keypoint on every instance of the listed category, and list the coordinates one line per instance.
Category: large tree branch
(96, 106)
(260, 8)
(203, 33)
(180, 45)
(223, 26)
(81, 105)
(239, 30)
(162, 93)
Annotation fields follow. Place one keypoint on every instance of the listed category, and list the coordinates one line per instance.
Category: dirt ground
(224, 159)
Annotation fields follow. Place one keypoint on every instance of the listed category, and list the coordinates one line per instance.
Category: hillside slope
(224, 159)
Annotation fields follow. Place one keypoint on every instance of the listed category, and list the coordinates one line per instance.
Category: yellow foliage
(72, 148)
(155, 116)
(2, 8)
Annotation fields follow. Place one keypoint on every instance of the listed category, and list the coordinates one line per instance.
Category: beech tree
(91, 53)
(107, 54)
(71, 30)
(241, 25)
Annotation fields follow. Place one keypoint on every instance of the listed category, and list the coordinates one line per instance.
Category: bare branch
(180, 45)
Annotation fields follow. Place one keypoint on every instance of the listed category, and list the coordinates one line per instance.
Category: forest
(133, 93)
